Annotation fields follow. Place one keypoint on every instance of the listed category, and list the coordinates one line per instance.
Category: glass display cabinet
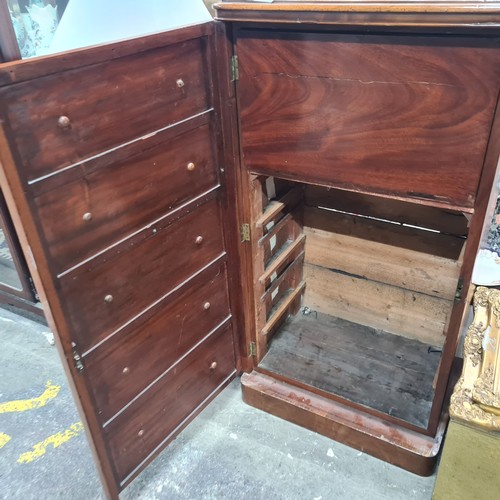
(16, 286)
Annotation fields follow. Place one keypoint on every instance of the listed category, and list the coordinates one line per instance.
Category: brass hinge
(235, 72)
(77, 358)
(245, 232)
(252, 349)
(460, 287)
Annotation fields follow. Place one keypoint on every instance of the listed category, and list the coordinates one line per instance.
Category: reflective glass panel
(45, 27)
(8, 271)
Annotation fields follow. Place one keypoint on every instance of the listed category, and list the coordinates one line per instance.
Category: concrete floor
(231, 451)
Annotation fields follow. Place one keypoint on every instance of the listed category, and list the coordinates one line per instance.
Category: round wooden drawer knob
(206, 306)
(108, 299)
(191, 166)
(199, 240)
(63, 122)
(87, 216)
(180, 83)
(213, 366)
(126, 370)
(141, 433)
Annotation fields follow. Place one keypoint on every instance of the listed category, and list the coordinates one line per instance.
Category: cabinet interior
(353, 293)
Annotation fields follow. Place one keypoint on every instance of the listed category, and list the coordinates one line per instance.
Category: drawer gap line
(148, 226)
(124, 144)
(223, 323)
(180, 426)
(219, 259)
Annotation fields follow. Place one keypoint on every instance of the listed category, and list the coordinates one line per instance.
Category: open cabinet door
(113, 169)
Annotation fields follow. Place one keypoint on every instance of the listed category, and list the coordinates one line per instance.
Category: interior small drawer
(131, 360)
(154, 417)
(60, 119)
(408, 116)
(127, 279)
(91, 206)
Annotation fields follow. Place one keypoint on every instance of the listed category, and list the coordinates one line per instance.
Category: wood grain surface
(381, 207)
(86, 209)
(107, 104)
(404, 257)
(375, 436)
(370, 367)
(407, 116)
(467, 16)
(390, 308)
(135, 434)
(125, 239)
(136, 274)
(135, 357)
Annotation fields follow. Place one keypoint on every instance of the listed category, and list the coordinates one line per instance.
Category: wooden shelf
(288, 201)
(282, 308)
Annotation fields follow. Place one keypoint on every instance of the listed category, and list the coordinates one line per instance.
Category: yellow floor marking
(51, 391)
(4, 439)
(55, 440)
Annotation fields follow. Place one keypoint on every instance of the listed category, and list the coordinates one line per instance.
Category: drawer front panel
(134, 358)
(122, 282)
(136, 432)
(85, 209)
(407, 116)
(61, 119)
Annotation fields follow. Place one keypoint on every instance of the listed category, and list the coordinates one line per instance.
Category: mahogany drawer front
(84, 210)
(116, 286)
(134, 358)
(64, 118)
(408, 116)
(135, 433)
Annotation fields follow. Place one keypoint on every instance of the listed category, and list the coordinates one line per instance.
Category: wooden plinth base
(406, 449)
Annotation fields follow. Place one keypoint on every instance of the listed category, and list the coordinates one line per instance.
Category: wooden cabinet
(301, 202)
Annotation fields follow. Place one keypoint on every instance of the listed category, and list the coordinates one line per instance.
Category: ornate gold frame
(476, 398)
